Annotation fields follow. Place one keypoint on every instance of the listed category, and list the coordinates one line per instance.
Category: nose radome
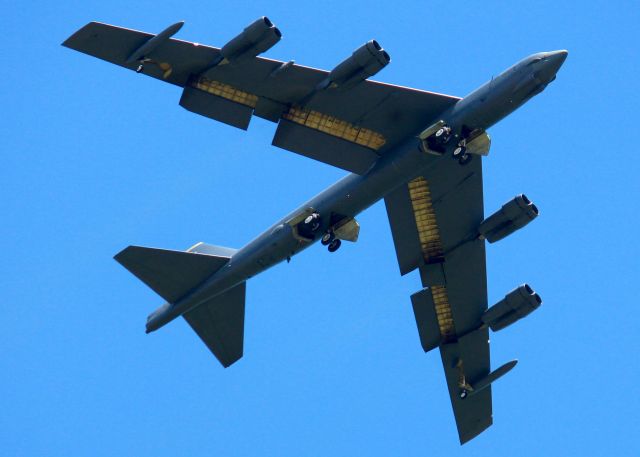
(555, 59)
(559, 56)
(552, 63)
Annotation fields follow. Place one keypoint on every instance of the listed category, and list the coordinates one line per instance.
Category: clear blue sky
(95, 158)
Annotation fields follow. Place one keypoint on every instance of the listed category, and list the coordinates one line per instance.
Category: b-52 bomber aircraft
(419, 151)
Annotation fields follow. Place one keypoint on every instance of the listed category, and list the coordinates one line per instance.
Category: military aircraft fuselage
(506, 92)
(354, 193)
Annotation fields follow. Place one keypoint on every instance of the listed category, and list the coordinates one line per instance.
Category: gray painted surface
(324, 147)
(426, 319)
(219, 323)
(208, 289)
(216, 108)
(404, 230)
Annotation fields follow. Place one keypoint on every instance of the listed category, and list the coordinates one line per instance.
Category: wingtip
(119, 256)
(472, 433)
(68, 43)
(227, 362)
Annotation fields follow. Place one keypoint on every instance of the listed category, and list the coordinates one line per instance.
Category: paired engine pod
(255, 39)
(517, 304)
(365, 62)
(511, 217)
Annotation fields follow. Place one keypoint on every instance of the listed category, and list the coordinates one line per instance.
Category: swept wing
(434, 221)
(345, 127)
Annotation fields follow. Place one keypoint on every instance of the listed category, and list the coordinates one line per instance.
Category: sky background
(94, 158)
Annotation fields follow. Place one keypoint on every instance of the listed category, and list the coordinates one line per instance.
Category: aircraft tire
(459, 151)
(327, 238)
(313, 222)
(442, 135)
(335, 245)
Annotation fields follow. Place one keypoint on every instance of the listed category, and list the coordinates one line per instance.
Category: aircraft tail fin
(172, 274)
(219, 322)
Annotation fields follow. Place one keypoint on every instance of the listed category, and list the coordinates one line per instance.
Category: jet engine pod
(365, 62)
(511, 217)
(516, 304)
(255, 39)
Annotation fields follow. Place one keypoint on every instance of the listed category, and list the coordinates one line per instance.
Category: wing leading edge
(356, 124)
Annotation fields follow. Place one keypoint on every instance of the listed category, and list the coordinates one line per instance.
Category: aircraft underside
(421, 152)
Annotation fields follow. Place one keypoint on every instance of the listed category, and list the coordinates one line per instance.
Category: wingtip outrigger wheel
(140, 68)
(464, 386)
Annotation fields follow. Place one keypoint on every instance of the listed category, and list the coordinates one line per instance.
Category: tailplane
(172, 274)
(219, 322)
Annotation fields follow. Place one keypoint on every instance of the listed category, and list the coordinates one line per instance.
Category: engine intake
(255, 39)
(517, 304)
(365, 62)
(511, 217)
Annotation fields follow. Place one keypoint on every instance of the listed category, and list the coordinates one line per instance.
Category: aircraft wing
(434, 221)
(348, 128)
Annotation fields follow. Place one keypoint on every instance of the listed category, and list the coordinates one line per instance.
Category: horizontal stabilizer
(171, 274)
(219, 323)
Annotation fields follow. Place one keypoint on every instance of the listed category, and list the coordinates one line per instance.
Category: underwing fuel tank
(150, 45)
(496, 374)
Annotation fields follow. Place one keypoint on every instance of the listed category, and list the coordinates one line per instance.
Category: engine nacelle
(255, 39)
(365, 62)
(516, 304)
(511, 217)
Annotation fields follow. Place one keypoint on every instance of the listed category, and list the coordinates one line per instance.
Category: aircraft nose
(558, 58)
(553, 62)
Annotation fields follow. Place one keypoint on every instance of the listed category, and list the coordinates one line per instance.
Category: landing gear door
(479, 145)
(347, 229)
